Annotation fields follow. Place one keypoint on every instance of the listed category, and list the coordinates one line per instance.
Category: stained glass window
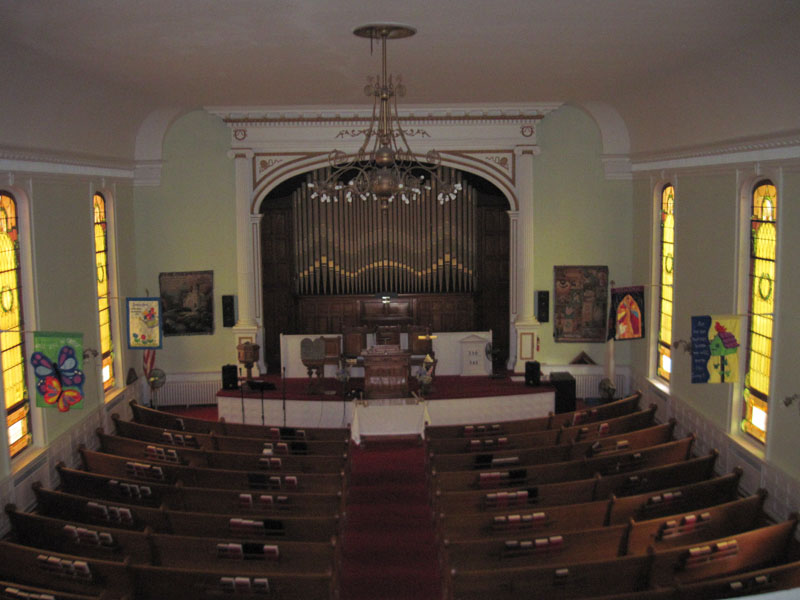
(103, 305)
(763, 244)
(664, 365)
(12, 345)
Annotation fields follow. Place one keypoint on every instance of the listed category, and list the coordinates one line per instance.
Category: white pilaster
(525, 324)
(246, 327)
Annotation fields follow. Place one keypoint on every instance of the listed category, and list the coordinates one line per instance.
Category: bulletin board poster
(144, 323)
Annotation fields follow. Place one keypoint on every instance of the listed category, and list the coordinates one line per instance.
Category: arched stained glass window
(12, 344)
(103, 281)
(763, 246)
(664, 365)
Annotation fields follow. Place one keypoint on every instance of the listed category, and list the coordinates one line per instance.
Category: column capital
(528, 149)
(241, 153)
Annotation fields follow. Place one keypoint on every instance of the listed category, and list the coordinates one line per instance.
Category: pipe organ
(364, 248)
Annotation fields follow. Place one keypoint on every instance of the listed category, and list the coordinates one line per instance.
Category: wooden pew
(522, 548)
(159, 418)
(622, 575)
(589, 515)
(504, 477)
(10, 590)
(750, 583)
(613, 409)
(225, 443)
(633, 440)
(758, 548)
(214, 459)
(161, 520)
(121, 581)
(65, 572)
(159, 549)
(572, 492)
(180, 497)
(547, 437)
(120, 466)
(193, 584)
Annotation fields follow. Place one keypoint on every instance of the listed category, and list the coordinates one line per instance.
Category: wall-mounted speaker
(533, 373)
(543, 306)
(230, 377)
(228, 311)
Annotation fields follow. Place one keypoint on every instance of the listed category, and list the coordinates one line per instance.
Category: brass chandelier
(384, 168)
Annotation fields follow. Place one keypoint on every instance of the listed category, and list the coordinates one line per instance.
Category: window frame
(108, 393)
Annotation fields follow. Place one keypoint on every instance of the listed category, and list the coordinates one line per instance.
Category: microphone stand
(241, 392)
(283, 394)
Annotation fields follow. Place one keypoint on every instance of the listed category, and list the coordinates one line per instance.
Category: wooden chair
(387, 335)
(354, 342)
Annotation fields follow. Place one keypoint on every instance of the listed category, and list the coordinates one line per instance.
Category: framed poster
(144, 323)
(580, 307)
(187, 302)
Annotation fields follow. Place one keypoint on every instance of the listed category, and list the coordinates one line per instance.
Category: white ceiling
(193, 53)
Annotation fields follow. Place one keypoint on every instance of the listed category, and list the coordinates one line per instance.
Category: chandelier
(384, 168)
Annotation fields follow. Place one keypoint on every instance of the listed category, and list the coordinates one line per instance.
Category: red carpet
(389, 550)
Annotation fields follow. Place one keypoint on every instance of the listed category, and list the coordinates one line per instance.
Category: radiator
(186, 392)
(587, 384)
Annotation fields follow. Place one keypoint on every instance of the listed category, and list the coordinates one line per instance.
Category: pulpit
(386, 372)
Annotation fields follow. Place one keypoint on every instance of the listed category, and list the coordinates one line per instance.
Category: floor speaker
(533, 373)
(228, 312)
(543, 306)
(230, 377)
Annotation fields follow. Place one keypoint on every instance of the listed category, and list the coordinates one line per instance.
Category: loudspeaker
(533, 373)
(543, 306)
(228, 312)
(230, 378)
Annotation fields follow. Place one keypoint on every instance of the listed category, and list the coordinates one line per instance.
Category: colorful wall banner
(715, 348)
(57, 362)
(626, 317)
(144, 323)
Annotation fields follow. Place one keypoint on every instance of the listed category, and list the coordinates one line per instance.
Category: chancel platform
(453, 400)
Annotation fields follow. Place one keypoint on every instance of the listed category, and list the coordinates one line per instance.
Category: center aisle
(389, 549)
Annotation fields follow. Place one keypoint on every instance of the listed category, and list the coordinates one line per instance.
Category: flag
(148, 362)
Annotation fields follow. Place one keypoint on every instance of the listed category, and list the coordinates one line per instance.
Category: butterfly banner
(57, 363)
(144, 323)
(626, 317)
(715, 348)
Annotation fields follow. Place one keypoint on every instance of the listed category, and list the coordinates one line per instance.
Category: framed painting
(144, 323)
(581, 300)
(187, 302)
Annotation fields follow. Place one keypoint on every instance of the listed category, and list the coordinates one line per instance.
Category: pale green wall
(580, 218)
(706, 254)
(64, 277)
(188, 223)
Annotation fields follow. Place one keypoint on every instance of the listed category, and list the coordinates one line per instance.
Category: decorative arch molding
(497, 143)
(149, 148)
(271, 169)
(616, 139)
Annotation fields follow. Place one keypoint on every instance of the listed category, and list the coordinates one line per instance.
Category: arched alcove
(319, 261)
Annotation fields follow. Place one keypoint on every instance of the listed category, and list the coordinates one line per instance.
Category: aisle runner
(389, 548)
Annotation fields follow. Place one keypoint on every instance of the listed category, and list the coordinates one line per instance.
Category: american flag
(148, 362)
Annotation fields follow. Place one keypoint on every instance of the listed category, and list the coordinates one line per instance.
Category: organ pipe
(362, 248)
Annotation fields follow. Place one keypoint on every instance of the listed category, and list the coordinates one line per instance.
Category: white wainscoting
(40, 465)
(783, 491)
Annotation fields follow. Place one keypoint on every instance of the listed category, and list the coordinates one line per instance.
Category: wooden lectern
(386, 372)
